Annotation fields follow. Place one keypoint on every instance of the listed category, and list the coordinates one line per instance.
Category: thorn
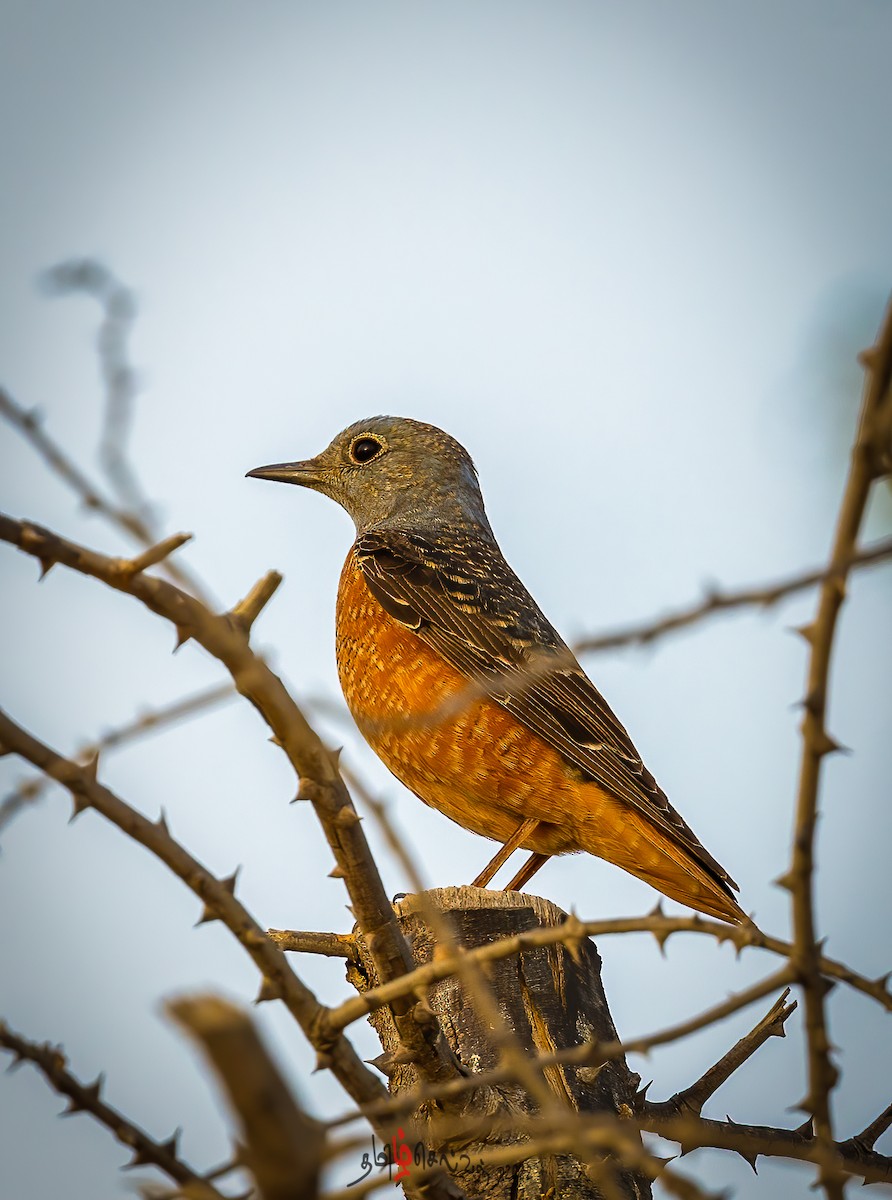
(347, 817)
(91, 767)
(138, 1159)
(383, 1063)
(825, 744)
(805, 631)
(269, 990)
(811, 703)
(881, 983)
(806, 1105)
(172, 1145)
(93, 1090)
(305, 790)
(337, 872)
(79, 804)
(785, 881)
(183, 636)
(161, 823)
(275, 741)
(46, 565)
(324, 1061)
(335, 755)
(229, 882)
(641, 1094)
(208, 913)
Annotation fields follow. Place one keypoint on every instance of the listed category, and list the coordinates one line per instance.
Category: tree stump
(550, 1001)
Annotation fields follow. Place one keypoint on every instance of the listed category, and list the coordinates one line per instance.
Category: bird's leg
(527, 871)
(522, 831)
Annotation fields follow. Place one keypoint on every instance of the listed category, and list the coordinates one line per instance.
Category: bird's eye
(364, 449)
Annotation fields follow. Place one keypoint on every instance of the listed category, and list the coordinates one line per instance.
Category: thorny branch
(554, 1129)
(218, 895)
(867, 463)
(226, 638)
(87, 1097)
(717, 601)
(149, 721)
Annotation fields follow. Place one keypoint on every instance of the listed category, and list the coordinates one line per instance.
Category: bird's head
(392, 471)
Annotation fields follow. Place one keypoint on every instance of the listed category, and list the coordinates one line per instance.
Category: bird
(464, 689)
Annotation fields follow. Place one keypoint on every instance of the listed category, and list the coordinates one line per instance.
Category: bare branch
(156, 554)
(248, 610)
(764, 595)
(313, 762)
(146, 722)
(29, 424)
(692, 1099)
(817, 743)
(332, 945)
(279, 981)
(282, 1146)
(82, 1097)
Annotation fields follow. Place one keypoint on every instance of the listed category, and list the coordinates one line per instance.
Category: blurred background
(627, 255)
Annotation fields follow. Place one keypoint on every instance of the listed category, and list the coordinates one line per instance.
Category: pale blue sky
(626, 254)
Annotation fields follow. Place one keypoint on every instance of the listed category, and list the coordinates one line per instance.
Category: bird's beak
(305, 473)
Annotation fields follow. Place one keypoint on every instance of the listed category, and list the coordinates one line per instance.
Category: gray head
(392, 471)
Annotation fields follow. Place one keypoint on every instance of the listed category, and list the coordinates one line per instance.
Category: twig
(588, 1054)
(279, 980)
(752, 1141)
(226, 640)
(716, 601)
(332, 945)
(118, 304)
(282, 1146)
(691, 1099)
(146, 722)
(29, 424)
(655, 923)
(817, 743)
(82, 1097)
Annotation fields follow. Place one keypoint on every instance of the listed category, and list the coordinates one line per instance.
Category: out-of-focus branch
(120, 381)
(132, 523)
(279, 980)
(866, 464)
(149, 721)
(282, 1147)
(83, 1097)
(585, 1055)
(691, 1099)
(224, 636)
(655, 923)
(715, 601)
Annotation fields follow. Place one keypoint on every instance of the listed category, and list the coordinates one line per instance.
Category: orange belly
(470, 759)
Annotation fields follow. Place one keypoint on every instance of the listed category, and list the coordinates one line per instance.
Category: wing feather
(459, 595)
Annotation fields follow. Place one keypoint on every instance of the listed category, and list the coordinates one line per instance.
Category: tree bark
(550, 1001)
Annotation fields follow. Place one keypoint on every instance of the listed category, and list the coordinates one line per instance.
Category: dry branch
(282, 1146)
(149, 721)
(866, 459)
(279, 980)
(315, 766)
(83, 1097)
(716, 601)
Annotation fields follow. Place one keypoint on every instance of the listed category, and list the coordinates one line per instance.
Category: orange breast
(461, 753)
(469, 758)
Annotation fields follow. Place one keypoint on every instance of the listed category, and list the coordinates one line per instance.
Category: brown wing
(457, 593)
